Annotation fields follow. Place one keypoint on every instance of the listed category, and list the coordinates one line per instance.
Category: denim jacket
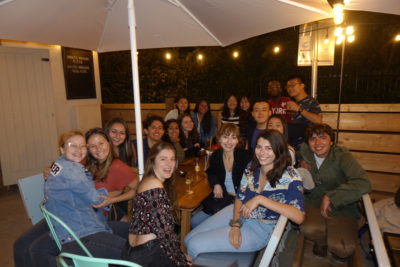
(69, 193)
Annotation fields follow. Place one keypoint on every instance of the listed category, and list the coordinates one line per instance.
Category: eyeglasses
(76, 146)
(292, 85)
(274, 87)
(96, 146)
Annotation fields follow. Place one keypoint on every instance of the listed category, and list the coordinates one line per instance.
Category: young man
(261, 112)
(332, 215)
(276, 101)
(153, 128)
(306, 110)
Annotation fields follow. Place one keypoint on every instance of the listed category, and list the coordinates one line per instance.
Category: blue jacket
(69, 193)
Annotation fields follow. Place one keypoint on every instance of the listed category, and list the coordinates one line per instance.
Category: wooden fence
(370, 131)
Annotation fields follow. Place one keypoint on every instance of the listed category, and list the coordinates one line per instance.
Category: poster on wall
(78, 73)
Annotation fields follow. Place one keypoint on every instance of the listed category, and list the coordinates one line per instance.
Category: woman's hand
(235, 237)
(105, 203)
(218, 192)
(189, 260)
(249, 206)
(46, 173)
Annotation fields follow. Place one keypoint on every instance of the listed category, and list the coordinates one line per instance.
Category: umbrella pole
(136, 91)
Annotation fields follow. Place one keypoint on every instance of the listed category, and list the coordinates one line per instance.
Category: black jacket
(216, 170)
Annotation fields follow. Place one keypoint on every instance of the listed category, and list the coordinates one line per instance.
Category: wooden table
(187, 203)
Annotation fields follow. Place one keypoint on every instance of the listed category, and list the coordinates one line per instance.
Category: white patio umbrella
(102, 25)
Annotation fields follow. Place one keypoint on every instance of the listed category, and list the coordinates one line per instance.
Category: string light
(397, 37)
(351, 38)
(349, 30)
(277, 49)
(235, 54)
(200, 57)
(338, 15)
(168, 56)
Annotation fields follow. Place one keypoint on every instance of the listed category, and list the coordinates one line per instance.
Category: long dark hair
(176, 105)
(99, 170)
(126, 152)
(206, 121)
(225, 110)
(166, 137)
(193, 134)
(282, 157)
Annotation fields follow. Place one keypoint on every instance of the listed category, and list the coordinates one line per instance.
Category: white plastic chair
(31, 190)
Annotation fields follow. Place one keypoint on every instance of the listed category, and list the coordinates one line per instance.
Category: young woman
(70, 195)
(172, 136)
(189, 137)
(278, 123)
(204, 122)
(118, 131)
(108, 172)
(245, 117)
(153, 128)
(269, 188)
(230, 111)
(182, 105)
(224, 172)
(152, 240)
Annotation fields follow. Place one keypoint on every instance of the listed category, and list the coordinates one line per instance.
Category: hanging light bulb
(351, 38)
(339, 39)
(338, 15)
(277, 49)
(338, 31)
(397, 37)
(200, 57)
(235, 54)
(168, 56)
(349, 30)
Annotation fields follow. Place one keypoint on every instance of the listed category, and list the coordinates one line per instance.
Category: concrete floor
(13, 223)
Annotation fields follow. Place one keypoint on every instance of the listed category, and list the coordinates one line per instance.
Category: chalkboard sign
(78, 73)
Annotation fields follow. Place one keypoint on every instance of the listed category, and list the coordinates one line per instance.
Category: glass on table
(189, 180)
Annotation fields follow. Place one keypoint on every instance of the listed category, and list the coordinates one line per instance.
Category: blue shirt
(288, 190)
(69, 193)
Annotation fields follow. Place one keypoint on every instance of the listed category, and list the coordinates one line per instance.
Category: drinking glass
(189, 181)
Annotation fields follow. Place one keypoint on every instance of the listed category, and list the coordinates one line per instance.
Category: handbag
(212, 205)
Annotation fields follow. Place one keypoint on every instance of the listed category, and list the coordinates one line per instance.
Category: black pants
(148, 254)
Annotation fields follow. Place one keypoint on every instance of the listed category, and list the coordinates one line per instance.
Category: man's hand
(235, 237)
(292, 106)
(218, 192)
(249, 206)
(325, 207)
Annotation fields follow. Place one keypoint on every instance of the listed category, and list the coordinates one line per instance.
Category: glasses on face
(76, 146)
(96, 146)
(292, 85)
(274, 87)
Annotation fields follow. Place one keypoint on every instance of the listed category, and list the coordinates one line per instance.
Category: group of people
(252, 175)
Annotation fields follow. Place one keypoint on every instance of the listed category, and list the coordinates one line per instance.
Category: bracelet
(235, 223)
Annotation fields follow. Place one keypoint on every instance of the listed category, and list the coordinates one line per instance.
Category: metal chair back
(83, 261)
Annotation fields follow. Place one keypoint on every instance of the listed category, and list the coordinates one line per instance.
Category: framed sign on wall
(78, 73)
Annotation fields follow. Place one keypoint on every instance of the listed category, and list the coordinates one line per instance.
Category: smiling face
(182, 104)
(295, 88)
(173, 131)
(261, 112)
(264, 153)
(117, 134)
(99, 147)
(203, 107)
(164, 164)
(155, 131)
(274, 89)
(244, 103)
(320, 144)
(74, 148)
(275, 124)
(228, 142)
(187, 124)
(232, 103)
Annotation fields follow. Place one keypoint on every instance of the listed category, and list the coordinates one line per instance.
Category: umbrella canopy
(101, 25)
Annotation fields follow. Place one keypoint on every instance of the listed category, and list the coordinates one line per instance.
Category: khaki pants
(339, 234)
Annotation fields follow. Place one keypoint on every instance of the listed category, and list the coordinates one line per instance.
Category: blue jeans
(198, 218)
(213, 235)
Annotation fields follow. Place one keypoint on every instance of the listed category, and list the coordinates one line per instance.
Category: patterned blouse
(288, 190)
(153, 214)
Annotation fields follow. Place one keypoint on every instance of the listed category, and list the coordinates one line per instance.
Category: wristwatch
(235, 223)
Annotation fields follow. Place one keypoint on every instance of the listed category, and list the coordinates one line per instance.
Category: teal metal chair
(48, 216)
(83, 261)
(31, 190)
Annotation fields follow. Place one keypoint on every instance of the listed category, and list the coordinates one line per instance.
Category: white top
(318, 160)
(172, 114)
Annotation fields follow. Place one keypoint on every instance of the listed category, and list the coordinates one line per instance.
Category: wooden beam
(370, 142)
(379, 122)
(361, 107)
(378, 162)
